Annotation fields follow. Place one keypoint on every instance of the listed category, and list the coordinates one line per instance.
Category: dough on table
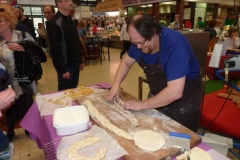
(199, 154)
(149, 140)
(72, 151)
(183, 156)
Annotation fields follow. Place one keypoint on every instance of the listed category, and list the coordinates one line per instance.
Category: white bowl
(70, 120)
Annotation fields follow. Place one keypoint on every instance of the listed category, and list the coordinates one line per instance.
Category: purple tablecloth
(40, 129)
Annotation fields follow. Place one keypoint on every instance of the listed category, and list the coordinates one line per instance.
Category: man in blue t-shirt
(172, 71)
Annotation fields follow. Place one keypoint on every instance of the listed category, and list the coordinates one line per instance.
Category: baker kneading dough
(149, 140)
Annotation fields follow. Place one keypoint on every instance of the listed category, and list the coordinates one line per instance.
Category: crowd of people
(230, 38)
(16, 28)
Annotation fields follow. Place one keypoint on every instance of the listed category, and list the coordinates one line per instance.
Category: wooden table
(148, 119)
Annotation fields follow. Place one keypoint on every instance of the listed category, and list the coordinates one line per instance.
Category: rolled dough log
(128, 115)
(149, 140)
(105, 122)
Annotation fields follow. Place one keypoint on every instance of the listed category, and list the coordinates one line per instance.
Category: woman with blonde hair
(14, 54)
(82, 35)
(218, 28)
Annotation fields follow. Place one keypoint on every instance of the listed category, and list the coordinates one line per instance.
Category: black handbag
(28, 65)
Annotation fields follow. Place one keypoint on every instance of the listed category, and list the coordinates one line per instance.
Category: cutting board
(147, 119)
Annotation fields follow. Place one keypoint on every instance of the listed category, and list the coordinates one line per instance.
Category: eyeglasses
(140, 43)
(2, 10)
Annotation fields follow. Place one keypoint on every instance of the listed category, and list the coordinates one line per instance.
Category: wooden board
(226, 95)
(148, 119)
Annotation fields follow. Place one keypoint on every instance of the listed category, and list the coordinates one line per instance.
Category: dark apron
(186, 110)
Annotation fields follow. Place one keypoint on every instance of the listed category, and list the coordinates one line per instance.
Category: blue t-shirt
(176, 56)
(81, 32)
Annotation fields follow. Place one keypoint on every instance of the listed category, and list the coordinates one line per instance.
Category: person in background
(95, 29)
(218, 29)
(87, 28)
(172, 71)
(200, 24)
(20, 26)
(18, 10)
(125, 38)
(232, 41)
(49, 12)
(65, 46)
(81, 30)
(210, 28)
(82, 36)
(42, 35)
(10, 49)
(237, 24)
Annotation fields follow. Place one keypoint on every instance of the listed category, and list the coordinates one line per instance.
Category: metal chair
(92, 50)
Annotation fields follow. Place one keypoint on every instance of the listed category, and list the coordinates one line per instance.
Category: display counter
(116, 42)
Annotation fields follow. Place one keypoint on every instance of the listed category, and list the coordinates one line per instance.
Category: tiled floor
(25, 148)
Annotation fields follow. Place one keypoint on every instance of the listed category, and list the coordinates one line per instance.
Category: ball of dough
(149, 140)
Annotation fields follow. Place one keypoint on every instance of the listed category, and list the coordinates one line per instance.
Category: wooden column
(180, 11)
(155, 10)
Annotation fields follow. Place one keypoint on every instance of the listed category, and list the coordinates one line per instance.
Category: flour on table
(149, 140)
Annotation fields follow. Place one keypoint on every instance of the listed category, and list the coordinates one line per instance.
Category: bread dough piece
(72, 151)
(183, 156)
(128, 115)
(105, 122)
(199, 154)
(149, 140)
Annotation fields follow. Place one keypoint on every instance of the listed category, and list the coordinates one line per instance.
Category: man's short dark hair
(52, 8)
(200, 18)
(57, 1)
(146, 25)
(20, 8)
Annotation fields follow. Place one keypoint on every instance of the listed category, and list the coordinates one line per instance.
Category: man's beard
(146, 50)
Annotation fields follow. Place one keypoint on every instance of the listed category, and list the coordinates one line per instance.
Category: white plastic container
(70, 120)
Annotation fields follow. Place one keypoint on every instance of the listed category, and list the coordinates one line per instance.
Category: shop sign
(139, 2)
(112, 5)
(98, 16)
(187, 13)
(85, 11)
